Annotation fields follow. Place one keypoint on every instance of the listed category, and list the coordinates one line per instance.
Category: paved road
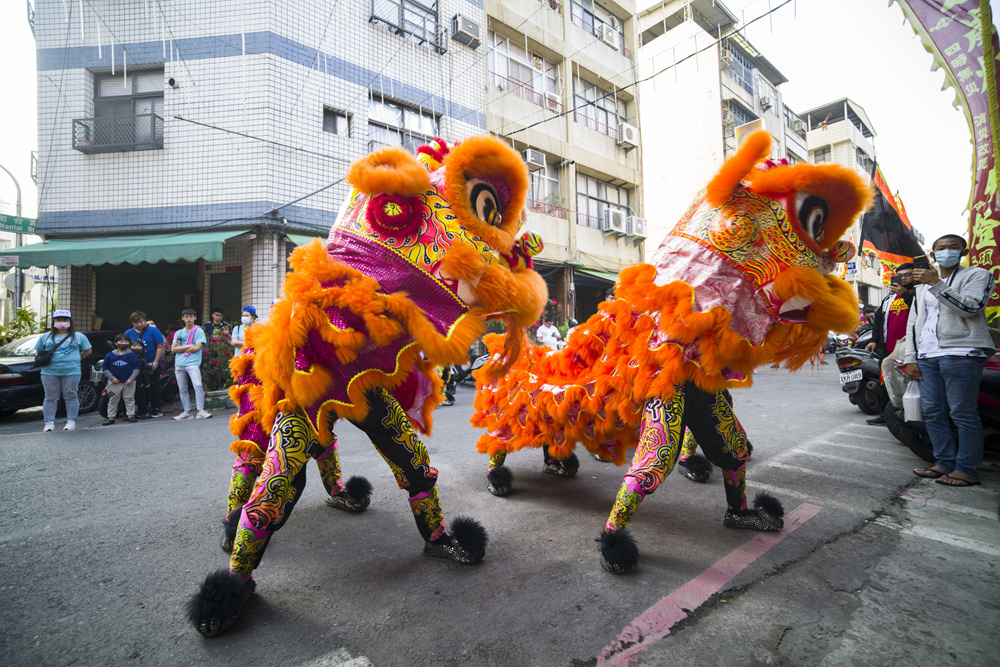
(107, 531)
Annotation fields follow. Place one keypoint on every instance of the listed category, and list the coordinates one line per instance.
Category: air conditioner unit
(628, 135)
(534, 159)
(766, 102)
(552, 100)
(637, 226)
(798, 126)
(609, 35)
(614, 222)
(465, 31)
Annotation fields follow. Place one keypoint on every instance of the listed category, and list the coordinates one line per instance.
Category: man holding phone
(947, 345)
(889, 324)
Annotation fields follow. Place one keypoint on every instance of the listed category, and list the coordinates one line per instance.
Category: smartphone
(920, 262)
(894, 280)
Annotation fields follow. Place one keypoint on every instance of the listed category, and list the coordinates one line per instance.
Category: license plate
(850, 376)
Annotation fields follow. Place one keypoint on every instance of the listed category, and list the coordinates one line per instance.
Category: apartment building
(561, 88)
(703, 86)
(186, 147)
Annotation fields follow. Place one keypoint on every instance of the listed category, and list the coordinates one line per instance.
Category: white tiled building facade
(215, 113)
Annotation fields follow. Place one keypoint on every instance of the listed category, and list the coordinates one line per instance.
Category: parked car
(20, 378)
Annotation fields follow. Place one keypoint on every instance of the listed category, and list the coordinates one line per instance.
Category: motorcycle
(914, 434)
(463, 373)
(860, 374)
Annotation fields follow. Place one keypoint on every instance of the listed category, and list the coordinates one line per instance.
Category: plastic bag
(911, 403)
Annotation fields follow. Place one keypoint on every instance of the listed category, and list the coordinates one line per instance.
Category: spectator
(247, 319)
(547, 334)
(153, 342)
(187, 346)
(121, 367)
(142, 380)
(889, 323)
(61, 375)
(216, 328)
(867, 316)
(946, 348)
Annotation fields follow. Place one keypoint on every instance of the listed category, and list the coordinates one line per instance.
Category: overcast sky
(827, 49)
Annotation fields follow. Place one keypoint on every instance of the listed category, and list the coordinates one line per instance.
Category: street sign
(8, 260)
(13, 223)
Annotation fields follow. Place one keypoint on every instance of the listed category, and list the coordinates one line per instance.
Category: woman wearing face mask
(61, 376)
(946, 348)
(247, 318)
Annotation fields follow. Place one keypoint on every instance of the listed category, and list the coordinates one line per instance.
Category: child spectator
(142, 380)
(187, 346)
(121, 367)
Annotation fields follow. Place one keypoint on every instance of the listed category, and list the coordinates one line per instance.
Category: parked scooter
(914, 434)
(859, 376)
(463, 373)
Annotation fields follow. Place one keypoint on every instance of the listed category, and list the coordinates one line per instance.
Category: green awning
(301, 240)
(597, 273)
(150, 248)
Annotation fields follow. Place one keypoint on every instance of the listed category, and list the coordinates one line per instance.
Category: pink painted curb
(654, 624)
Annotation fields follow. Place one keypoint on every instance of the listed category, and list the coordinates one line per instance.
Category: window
(865, 163)
(734, 115)
(416, 20)
(524, 73)
(598, 21)
(394, 124)
(596, 108)
(822, 155)
(128, 114)
(739, 67)
(543, 191)
(336, 122)
(793, 158)
(594, 197)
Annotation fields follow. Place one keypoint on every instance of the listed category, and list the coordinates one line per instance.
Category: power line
(267, 141)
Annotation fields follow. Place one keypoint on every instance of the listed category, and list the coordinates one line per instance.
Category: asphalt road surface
(106, 532)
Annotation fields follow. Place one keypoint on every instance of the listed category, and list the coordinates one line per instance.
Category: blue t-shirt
(121, 365)
(189, 358)
(65, 359)
(151, 339)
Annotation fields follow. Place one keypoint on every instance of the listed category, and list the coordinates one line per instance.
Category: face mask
(246, 319)
(123, 346)
(61, 325)
(948, 258)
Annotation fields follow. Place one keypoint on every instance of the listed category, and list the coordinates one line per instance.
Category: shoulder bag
(44, 357)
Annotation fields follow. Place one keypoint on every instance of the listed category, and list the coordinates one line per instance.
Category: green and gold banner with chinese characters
(952, 30)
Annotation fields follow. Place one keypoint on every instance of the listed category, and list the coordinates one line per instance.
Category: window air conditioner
(766, 102)
(534, 159)
(798, 126)
(552, 101)
(465, 31)
(609, 35)
(614, 222)
(637, 226)
(628, 135)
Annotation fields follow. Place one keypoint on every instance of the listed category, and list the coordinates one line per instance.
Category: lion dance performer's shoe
(466, 544)
(767, 515)
(216, 607)
(696, 468)
(355, 496)
(619, 553)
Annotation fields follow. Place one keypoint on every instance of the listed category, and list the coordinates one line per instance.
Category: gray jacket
(962, 320)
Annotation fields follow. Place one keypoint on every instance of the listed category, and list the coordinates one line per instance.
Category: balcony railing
(524, 92)
(595, 125)
(591, 221)
(546, 208)
(596, 32)
(553, 5)
(142, 132)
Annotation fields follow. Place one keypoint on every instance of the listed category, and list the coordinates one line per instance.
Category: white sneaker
(70, 426)
(204, 414)
(183, 415)
(49, 426)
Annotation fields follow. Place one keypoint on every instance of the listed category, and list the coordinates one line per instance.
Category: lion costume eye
(812, 212)
(484, 201)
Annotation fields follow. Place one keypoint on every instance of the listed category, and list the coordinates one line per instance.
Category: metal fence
(527, 93)
(141, 132)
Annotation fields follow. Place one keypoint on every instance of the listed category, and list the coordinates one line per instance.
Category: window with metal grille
(416, 20)
(594, 197)
(128, 114)
(739, 67)
(596, 108)
(393, 124)
(524, 73)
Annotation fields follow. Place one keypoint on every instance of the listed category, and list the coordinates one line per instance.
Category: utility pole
(18, 279)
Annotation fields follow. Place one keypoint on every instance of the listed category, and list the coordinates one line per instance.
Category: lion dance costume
(743, 279)
(422, 252)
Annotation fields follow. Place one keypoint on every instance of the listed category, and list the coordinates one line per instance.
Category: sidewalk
(30, 419)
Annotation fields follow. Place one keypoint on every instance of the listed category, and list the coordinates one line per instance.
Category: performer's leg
(393, 436)
(655, 456)
(353, 496)
(724, 441)
(566, 467)
(275, 492)
(694, 466)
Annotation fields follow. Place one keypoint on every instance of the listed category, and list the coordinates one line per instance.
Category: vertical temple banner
(952, 31)
(886, 231)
